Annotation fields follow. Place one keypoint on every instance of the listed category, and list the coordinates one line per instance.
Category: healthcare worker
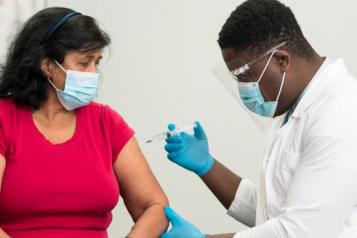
(308, 182)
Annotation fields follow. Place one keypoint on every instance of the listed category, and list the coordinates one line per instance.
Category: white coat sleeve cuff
(243, 207)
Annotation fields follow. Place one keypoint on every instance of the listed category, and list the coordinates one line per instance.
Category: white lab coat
(308, 184)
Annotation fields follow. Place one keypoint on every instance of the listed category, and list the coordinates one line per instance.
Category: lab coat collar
(329, 67)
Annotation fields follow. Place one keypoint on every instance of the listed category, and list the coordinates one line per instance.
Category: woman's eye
(84, 64)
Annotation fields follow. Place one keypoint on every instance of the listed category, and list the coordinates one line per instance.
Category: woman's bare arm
(3, 234)
(141, 192)
(2, 169)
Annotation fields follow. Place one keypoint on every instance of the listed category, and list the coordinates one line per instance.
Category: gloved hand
(190, 151)
(180, 227)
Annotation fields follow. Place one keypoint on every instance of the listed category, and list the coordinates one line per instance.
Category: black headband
(58, 25)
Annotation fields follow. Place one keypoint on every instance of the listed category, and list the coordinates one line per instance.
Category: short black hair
(262, 24)
(21, 76)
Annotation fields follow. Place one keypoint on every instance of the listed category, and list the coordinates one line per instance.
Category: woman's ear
(46, 67)
(283, 59)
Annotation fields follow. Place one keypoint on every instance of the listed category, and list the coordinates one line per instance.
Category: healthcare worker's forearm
(221, 236)
(3, 234)
(222, 182)
(151, 224)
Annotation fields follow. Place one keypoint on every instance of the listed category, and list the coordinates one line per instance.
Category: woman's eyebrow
(91, 56)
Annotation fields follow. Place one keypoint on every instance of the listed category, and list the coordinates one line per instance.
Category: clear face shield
(103, 63)
(240, 71)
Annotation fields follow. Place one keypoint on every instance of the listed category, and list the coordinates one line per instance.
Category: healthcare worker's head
(57, 51)
(267, 53)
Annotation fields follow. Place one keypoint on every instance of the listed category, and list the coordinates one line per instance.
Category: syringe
(167, 134)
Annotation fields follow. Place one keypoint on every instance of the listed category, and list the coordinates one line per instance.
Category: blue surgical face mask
(79, 90)
(253, 99)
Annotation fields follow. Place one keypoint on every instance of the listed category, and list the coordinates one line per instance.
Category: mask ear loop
(261, 75)
(53, 85)
(281, 87)
(266, 66)
(50, 81)
(59, 65)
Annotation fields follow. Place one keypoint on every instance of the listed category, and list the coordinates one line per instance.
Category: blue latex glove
(180, 227)
(190, 151)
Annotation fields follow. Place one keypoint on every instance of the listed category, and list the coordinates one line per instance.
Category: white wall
(12, 14)
(159, 72)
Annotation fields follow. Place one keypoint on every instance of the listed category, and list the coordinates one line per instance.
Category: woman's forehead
(73, 55)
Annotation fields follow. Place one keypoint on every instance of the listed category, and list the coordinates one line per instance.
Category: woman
(64, 160)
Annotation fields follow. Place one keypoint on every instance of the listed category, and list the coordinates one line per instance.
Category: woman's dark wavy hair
(21, 77)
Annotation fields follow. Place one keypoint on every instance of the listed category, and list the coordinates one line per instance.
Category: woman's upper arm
(2, 168)
(138, 185)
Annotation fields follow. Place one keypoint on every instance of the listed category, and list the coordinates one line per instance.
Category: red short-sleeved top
(60, 190)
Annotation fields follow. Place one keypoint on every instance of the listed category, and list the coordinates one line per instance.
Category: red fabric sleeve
(4, 122)
(119, 131)
(2, 137)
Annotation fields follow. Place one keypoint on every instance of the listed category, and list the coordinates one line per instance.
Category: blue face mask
(79, 90)
(253, 99)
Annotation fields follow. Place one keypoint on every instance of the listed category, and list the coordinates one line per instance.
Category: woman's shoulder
(100, 110)
(93, 107)
(6, 103)
(9, 114)
(108, 117)
(7, 107)
(96, 108)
